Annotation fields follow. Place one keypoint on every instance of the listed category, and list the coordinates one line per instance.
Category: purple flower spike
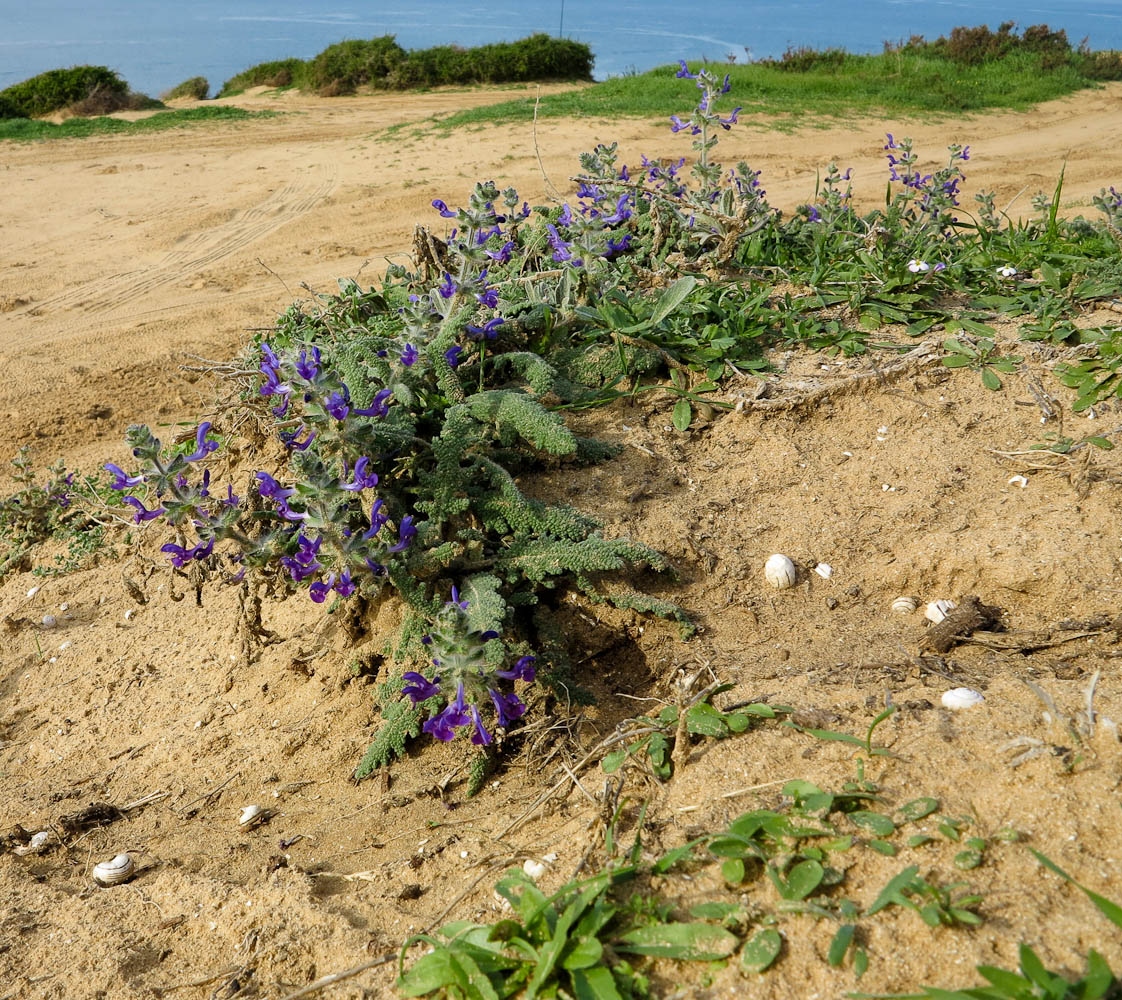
(123, 482)
(418, 687)
(143, 513)
(203, 447)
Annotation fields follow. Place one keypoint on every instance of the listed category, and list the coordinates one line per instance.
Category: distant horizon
(155, 44)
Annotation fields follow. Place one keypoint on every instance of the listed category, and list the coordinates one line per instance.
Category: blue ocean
(154, 44)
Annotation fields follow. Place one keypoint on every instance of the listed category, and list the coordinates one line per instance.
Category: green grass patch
(196, 87)
(903, 82)
(78, 128)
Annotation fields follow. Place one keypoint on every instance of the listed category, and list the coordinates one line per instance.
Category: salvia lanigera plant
(403, 415)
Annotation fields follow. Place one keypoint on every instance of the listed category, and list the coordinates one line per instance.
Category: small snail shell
(535, 869)
(780, 572)
(49, 621)
(119, 869)
(904, 605)
(250, 817)
(938, 610)
(37, 842)
(824, 570)
(961, 698)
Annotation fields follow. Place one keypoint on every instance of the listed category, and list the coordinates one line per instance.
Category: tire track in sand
(114, 292)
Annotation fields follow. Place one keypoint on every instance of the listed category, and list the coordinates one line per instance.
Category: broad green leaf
(432, 972)
(800, 789)
(860, 962)
(957, 361)
(761, 951)
(694, 942)
(682, 415)
(703, 719)
(1033, 968)
(1099, 977)
(876, 822)
(990, 379)
(885, 847)
(1008, 981)
(909, 812)
(803, 879)
(584, 954)
(763, 711)
(736, 722)
(840, 944)
(732, 871)
(613, 761)
(594, 984)
(673, 297)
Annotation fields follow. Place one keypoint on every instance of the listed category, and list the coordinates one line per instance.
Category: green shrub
(59, 88)
(278, 73)
(380, 62)
(197, 88)
(345, 66)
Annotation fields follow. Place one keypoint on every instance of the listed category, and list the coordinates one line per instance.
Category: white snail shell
(961, 698)
(780, 572)
(938, 610)
(824, 570)
(250, 817)
(49, 621)
(114, 872)
(535, 869)
(904, 605)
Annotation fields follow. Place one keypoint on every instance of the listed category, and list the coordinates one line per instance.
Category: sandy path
(122, 255)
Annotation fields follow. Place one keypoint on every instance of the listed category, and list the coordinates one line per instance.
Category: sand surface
(125, 256)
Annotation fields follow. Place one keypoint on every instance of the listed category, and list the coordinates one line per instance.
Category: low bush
(380, 62)
(57, 89)
(197, 88)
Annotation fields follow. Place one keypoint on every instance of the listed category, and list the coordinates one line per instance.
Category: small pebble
(49, 621)
(33, 591)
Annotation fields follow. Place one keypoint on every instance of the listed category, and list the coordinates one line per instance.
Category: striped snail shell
(904, 605)
(250, 817)
(115, 871)
(780, 572)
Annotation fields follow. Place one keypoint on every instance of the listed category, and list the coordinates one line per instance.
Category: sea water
(155, 44)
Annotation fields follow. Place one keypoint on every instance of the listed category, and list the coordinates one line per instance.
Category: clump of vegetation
(382, 63)
(79, 91)
(196, 88)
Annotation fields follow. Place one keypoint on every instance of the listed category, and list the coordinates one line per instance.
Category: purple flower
(377, 519)
(448, 287)
(891, 143)
(965, 154)
(308, 369)
(443, 209)
(677, 125)
(344, 586)
(480, 737)
(291, 439)
(178, 555)
(621, 213)
(487, 330)
(405, 532)
(522, 670)
(269, 487)
(319, 590)
(282, 409)
(939, 267)
(418, 687)
(617, 246)
(379, 407)
(452, 355)
(561, 251)
(362, 479)
(508, 707)
(232, 499)
(566, 216)
(502, 255)
(307, 551)
(442, 726)
(409, 356)
(727, 123)
(123, 482)
(270, 356)
(726, 86)
(203, 447)
(142, 512)
(338, 404)
(457, 601)
(812, 214)
(488, 298)
(485, 234)
(684, 73)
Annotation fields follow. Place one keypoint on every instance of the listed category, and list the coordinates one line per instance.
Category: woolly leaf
(400, 722)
